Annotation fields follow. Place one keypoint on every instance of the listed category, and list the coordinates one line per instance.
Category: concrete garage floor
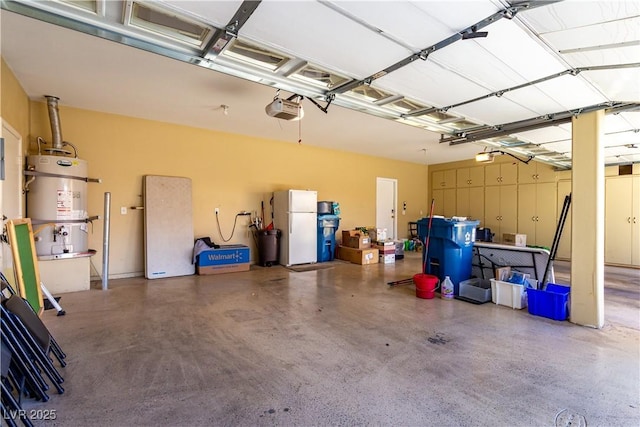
(337, 346)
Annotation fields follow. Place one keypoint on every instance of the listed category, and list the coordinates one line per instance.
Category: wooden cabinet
(443, 179)
(443, 185)
(501, 210)
(501, 174)
(535, 172)
(537, 213)
(444, 202)
(564, 247)
(622, 220)
(470, 177)
(470, 203)
(528, 199)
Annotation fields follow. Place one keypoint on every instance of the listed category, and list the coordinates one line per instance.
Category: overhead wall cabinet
(501, 209)
(622, 220)
(470, 177)
(444, 179)
(535, 172)
(537, 213)
(501, 174)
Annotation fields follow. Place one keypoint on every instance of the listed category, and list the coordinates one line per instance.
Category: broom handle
(426, 243)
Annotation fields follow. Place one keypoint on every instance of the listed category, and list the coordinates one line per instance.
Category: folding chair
(32, 336)
(11, 408)
(55, 349)
(24, 375)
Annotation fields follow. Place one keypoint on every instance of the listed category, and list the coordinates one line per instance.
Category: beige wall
(228, 171)
(14, 103)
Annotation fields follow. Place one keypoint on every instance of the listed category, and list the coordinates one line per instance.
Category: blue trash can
(327, 226)
(450, 249)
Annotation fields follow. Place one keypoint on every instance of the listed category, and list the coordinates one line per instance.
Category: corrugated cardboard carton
(226, 259)
(355, 239)
(514, 239)
(357, 256)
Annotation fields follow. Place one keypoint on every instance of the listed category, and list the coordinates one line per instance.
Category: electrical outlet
(217, 211)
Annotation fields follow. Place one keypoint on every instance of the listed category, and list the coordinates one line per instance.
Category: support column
(587, 220)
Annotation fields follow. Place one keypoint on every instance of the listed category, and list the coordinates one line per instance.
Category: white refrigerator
(295, 214)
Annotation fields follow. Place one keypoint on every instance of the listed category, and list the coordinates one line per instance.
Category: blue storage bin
(328, 224)
(450, 249)
(552, 303)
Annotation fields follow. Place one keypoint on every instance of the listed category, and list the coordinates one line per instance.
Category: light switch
(123, 210)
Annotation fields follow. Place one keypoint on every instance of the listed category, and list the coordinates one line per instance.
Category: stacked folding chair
(27, 367)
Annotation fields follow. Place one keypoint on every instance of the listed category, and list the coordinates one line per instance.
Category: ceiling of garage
(406, 80)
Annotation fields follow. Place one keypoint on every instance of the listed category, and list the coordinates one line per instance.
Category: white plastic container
(509, 294)
(447, 290)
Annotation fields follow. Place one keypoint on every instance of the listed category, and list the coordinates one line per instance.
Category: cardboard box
(357, 256)
(355, 239)
(226, 259)
(385, 248)
(514, 239)
(502, 273)
(387, 259)
(377, 234)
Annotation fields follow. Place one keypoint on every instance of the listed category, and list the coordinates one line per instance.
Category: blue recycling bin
(327, 226)
(450, 249)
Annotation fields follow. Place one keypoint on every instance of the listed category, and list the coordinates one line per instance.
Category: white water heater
(57, 204)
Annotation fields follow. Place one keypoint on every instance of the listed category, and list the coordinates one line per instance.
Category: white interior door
(11, 187)
(386, 205)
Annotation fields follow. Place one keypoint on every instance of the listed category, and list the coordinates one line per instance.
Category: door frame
(6, 264)
(394, 201)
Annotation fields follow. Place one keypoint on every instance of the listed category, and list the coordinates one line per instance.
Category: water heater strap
(65, 221)
(56, 175)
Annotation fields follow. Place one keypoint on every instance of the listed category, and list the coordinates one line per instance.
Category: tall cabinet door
(537, 213)
(501, 209)
(618, 207)
(622, 220)
(546, 223)
(527, 212)
(492, 210)
(508, 209)
(438, 201)
(462, 202)
(470, 203)
(635, 221)
(476, 204)
(444, 202)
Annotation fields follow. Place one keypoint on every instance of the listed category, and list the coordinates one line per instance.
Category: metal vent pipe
(54, 119)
